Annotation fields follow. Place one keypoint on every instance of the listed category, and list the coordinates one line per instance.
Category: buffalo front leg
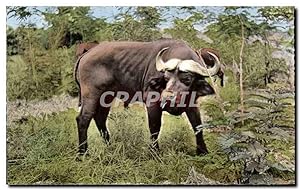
(193, 115)
(154, 122)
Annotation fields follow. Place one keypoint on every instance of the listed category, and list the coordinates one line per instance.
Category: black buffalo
(168, 67)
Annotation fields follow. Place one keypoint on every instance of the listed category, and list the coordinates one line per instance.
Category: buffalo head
(182, 77)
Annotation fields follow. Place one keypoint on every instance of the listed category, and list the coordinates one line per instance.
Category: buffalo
(169, 68)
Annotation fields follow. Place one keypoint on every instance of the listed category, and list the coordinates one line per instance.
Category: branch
(241, 67)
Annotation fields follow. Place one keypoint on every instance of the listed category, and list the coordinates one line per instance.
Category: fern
(268, 118)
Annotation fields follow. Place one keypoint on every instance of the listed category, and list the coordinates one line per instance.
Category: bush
(229, 99)
(17, 86)
(41, 74)
(261, 139)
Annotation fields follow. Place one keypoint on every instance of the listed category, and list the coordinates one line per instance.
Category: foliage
(261, 68)
(149, 16)
(255, 135)
(21, 12)
(16, 82)
(68, 25)
(141, 25)
(51, 74)
(182, 27)
(11, 42)
(217, 109)
(278, 13)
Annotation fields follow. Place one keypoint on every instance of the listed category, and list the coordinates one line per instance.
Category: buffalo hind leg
(193, 115)
(154, 122)
(89, 106)
(100, 119)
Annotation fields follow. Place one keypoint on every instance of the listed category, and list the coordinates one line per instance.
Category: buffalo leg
(100, 119)
(154, 122)
(193, 115)
(89, 106)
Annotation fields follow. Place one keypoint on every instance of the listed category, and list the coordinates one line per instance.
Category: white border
(106, 3)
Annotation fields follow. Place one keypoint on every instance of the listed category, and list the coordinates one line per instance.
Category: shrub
(41, 74)
(228, 101)
(258, 135)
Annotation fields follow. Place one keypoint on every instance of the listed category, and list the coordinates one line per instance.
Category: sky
(104, 11)
(110, 11)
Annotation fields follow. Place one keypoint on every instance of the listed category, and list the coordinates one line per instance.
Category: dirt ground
(21, 109)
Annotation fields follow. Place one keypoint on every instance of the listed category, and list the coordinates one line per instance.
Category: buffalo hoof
(106, 137)
(202, 152)
(81, 156)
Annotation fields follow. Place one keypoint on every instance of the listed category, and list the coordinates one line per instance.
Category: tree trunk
(241, 68)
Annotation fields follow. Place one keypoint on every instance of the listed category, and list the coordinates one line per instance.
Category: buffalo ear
(203, 88)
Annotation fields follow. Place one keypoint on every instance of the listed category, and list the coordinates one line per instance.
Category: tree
(226, 34)
(278, 14)
(21, 12)
(137, 24)
(12, 43)
(281, 17)
(184, 28)
(70, 25)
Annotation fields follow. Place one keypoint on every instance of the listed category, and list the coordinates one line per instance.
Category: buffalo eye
(186, 78)
(186, 81)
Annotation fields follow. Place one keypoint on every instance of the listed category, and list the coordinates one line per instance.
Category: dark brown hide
(84, 47)
(131, 67)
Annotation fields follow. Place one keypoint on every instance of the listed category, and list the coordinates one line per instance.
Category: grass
(43, 151)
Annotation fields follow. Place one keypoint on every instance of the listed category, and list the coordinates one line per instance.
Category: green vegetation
(50, 74)
(46, 55)
(250, 123)
(43, 151)
(253, 138)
